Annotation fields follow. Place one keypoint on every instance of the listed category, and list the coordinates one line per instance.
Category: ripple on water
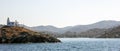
(73, 44)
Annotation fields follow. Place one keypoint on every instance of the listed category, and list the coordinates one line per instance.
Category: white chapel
(9, 23)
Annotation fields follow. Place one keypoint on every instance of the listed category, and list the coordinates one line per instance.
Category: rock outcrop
(12, 34)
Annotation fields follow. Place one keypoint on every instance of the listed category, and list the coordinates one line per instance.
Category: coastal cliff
(15, 34)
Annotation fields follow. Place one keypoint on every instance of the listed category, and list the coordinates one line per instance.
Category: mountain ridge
(78, 28)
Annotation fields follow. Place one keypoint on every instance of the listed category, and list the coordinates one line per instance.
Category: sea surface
(68, 44)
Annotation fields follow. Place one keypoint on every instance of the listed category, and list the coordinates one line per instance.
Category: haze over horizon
(59, 13)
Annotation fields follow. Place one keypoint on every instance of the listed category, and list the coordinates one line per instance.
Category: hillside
(93, 33)
(78, 28)
(11, 34)
(91, 30)
(111, 33)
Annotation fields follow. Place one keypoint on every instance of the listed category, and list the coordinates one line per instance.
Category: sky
(59, 13)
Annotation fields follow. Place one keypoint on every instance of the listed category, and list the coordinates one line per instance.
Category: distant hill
(111, 33)
(15, 34)
(100, 25)
(46, 28)
(78, 28)
(92, 33)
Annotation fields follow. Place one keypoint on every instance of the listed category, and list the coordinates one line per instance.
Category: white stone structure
(9, 23)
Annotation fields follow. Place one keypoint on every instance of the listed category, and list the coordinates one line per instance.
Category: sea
(68, 44)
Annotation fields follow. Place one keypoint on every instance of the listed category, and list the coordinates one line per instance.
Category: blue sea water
(68, 44)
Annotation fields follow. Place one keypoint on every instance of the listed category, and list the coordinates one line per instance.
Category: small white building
(9, 23)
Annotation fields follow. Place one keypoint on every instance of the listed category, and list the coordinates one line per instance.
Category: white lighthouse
(9, 23)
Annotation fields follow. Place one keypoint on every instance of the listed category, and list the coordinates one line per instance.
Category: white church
(9, 23)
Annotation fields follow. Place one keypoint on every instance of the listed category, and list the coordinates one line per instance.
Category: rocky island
(15, 34)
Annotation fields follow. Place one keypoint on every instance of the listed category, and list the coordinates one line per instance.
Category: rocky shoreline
(13, 34)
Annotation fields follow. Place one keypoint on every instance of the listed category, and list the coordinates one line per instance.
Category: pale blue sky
(59, 13)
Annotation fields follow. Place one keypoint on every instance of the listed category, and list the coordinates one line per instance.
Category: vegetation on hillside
(111, 33)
